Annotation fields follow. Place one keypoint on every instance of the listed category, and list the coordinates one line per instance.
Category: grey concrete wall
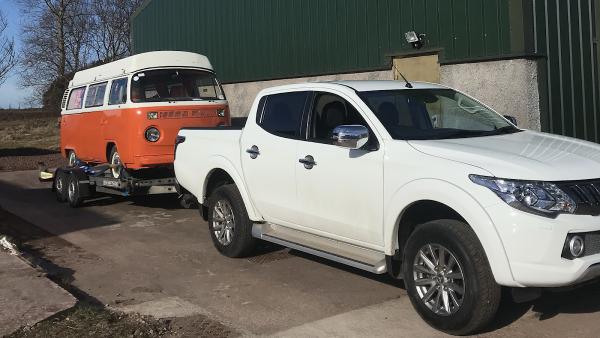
(510, 87)
(241, 95)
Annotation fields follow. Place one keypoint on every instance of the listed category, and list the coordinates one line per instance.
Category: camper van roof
(139, 62)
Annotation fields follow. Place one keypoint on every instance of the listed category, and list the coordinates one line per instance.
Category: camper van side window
(95, 96)
(76, 98)
(118, 92)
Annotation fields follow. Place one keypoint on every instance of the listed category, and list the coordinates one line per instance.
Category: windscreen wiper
(506, 130)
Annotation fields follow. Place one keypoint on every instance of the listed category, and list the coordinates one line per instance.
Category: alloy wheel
(223, 222)
(439, 279)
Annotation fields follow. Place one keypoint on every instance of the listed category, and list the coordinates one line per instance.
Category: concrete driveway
(154, 258)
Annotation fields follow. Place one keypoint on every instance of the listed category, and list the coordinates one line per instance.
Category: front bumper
(534, 247)
(148, 161)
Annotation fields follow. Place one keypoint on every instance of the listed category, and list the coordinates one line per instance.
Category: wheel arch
(109, 146)
(223, 171)
(443, 200)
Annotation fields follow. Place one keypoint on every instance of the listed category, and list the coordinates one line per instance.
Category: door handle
(254, 152)
(308, 161)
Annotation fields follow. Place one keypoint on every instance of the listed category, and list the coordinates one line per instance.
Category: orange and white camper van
(128, 112)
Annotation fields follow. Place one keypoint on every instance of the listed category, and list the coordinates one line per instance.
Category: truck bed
(202, 146)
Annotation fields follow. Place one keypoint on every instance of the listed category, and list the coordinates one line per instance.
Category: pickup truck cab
(417, 180)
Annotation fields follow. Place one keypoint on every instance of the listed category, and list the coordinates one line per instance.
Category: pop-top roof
(139, 62)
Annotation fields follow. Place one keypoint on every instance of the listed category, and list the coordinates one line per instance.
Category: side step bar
(348, 254)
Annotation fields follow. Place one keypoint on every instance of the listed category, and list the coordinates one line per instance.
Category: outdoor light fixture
(416, 40)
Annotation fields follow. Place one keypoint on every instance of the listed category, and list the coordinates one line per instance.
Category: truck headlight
(540, 198)
(152, 134)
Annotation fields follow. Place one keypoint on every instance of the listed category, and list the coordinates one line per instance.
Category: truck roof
(361, 86)
(139, 62)
(373, 85)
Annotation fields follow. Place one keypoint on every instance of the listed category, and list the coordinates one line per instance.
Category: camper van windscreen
(166, 85)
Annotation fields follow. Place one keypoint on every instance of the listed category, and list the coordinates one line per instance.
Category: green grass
(30, 132)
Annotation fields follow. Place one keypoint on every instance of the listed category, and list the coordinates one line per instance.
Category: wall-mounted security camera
(416, 40)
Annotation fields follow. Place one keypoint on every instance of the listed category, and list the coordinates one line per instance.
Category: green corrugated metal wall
(267, 39)
(567, 33)
(255, 40)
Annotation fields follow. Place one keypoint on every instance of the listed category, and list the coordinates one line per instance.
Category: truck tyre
(61, 180)
(71, 158)
(74, 196)
(228, 223)
(448, 277)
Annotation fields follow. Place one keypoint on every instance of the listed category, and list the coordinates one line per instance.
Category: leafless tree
(61, 37)
(110, 33)
(55, 42)
(7, 50)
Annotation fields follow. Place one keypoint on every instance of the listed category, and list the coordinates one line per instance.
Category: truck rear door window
(282, 114)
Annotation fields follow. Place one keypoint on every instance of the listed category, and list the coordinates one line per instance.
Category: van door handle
(254, 152)
(308, 161)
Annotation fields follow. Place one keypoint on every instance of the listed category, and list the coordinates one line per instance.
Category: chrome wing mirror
(350, 136)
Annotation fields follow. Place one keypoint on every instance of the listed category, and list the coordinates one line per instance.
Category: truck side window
(118, 92)
(282, 114)
(330, 111)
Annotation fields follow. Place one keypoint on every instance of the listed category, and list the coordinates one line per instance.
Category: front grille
(586, 195)
(592, 243)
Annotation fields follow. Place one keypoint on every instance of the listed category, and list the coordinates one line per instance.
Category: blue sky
(11, 94)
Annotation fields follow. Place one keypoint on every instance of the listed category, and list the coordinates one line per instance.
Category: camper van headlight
(540, 198)
(152, 134)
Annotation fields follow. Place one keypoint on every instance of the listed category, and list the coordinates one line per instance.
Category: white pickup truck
(417, 180)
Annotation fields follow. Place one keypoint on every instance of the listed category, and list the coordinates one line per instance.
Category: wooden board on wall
(418, 68)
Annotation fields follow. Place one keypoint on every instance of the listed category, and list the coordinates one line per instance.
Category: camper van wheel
(60, 186)
(115, 160)
(74, 192)
(72, 158)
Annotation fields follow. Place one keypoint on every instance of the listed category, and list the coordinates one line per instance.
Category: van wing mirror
(350, 136)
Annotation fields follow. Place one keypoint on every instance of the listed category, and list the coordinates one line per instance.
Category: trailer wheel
(74, 192)
(60, 185)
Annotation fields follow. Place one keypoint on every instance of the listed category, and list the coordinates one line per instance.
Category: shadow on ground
(41, 200)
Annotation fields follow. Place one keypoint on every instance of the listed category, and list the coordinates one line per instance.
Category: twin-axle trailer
(74, 185)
